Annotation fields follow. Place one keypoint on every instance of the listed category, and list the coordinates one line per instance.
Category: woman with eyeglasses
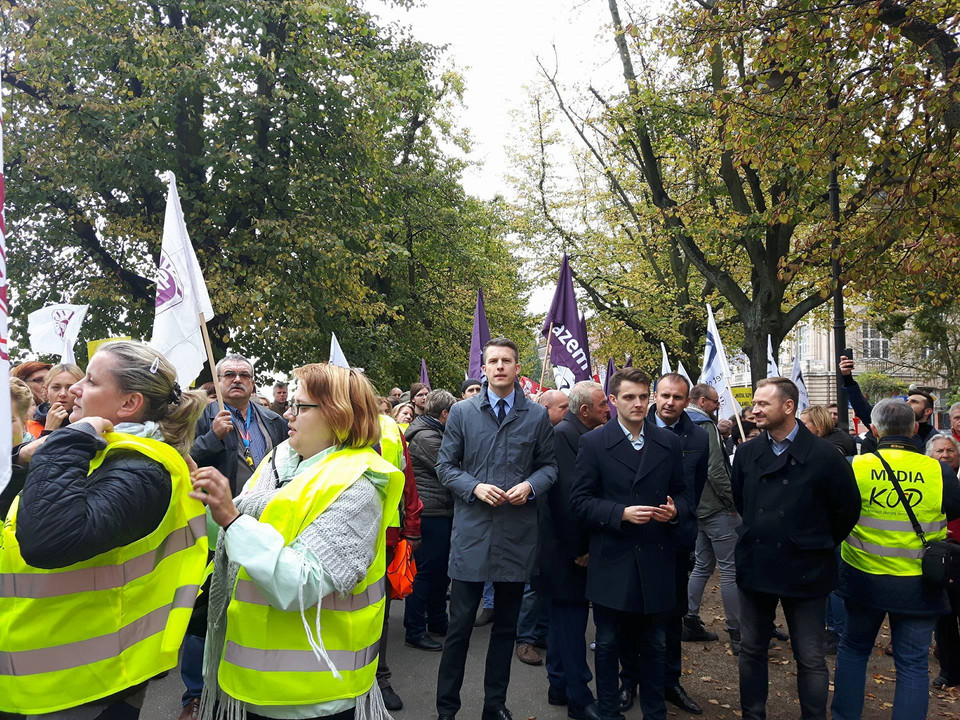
(946, 449)
(33, 373)
(418, 396)
(297, 594)
(104, 546)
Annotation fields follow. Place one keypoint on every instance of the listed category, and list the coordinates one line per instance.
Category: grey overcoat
(495, 543)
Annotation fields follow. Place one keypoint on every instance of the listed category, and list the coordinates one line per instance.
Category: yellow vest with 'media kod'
(883, 542)
(72, 635)
(267, 657)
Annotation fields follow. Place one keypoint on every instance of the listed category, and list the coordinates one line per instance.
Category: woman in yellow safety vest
(297, 595)
(103, 552)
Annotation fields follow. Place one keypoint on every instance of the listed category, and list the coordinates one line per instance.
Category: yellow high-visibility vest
(391, 448)
(267, 657)
(76, 634)
(883, 542)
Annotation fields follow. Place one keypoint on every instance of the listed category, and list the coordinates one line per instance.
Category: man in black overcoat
(631, 495)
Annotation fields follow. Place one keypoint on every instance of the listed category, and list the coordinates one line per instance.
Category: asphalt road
(710, 677)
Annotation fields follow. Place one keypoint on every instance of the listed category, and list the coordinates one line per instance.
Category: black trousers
(673, 626)
(644, 635)
(806, 619)
(464, 601)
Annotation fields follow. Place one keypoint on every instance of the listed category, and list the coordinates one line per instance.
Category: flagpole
(546, 355)
(213, 365)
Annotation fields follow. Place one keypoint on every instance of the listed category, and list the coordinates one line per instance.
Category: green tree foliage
(878, 385)
(307, 141)
(707, 175)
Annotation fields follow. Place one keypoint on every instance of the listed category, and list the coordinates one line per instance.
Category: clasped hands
(492, 495)
(641, 514)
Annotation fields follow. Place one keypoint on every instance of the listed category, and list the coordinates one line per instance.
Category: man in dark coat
(236, 439)
(631, 494)
(798, 500)
(426, 607)
(563, 560)
(671, 396)
(496, 458)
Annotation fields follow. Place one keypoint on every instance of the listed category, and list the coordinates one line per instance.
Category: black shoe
(780, 635)
(626, 698)
(678, 696)
(590, 712)
(483, 617)
(426, 643)
(940, 682)
(498, 714)
(556, 696)
(694, 631)
(391, 699)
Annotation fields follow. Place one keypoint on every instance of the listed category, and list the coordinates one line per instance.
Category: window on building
(803, 342)
(875, 346)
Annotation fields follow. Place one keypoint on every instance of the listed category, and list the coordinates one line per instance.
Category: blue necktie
(501, 410)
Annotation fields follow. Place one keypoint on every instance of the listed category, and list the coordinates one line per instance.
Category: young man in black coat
(631, 494)
(671, 397)
(798, 500)
(563, 560)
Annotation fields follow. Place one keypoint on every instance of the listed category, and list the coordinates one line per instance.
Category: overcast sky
(494, 44)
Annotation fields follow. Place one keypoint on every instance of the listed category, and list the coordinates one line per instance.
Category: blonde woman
(105, 546)
(55, 412)
(297, 595)
(820, 422)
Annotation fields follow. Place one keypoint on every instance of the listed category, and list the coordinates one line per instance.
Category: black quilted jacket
(66, 516)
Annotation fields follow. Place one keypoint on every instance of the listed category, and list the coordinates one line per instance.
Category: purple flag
(479, 338)
(586, 337)
(611, 371)
(629, 362)
(569, 347)
(424, 378)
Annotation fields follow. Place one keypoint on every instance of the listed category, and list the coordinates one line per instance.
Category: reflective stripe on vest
(248, 592)
(267, 657)
(86, 652)
(106, 577)
(298, 661)
(883, 542)
(74, 635)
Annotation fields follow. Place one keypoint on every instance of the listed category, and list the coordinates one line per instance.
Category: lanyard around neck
(245, 432)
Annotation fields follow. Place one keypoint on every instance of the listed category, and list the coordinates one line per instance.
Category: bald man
(556, 404)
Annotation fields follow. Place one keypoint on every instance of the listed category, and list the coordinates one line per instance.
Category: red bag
(401, 571)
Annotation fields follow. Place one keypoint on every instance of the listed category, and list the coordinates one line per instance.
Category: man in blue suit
(631, 494)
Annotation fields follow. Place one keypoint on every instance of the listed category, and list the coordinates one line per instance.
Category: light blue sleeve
(274, 567)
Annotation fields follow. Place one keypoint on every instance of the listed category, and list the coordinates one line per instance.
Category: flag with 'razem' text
(568, 345)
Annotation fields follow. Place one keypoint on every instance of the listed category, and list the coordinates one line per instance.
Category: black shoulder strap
(903, 499)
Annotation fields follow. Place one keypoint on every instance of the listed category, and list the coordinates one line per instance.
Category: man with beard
(920, 401)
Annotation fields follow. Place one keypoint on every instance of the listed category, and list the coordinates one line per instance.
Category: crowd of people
(259, 543)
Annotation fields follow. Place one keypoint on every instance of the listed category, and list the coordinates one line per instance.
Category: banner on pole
(716, 372)
(478, 338)
(182, 299)
(54, 330)
(336, 353)
(94, 345)
(569, 346)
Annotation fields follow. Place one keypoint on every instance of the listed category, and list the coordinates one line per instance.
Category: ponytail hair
(140, 368)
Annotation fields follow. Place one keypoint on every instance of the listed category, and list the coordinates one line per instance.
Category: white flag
(681, 370)
(772, 369)
(797, 377)
(336, 353)
(54, 330)
(181, 296)
(664, 362)
(716, 372)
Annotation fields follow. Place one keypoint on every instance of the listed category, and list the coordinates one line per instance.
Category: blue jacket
(495, 543)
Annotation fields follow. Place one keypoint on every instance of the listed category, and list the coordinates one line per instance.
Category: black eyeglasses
(231, 375)
(295, 407)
